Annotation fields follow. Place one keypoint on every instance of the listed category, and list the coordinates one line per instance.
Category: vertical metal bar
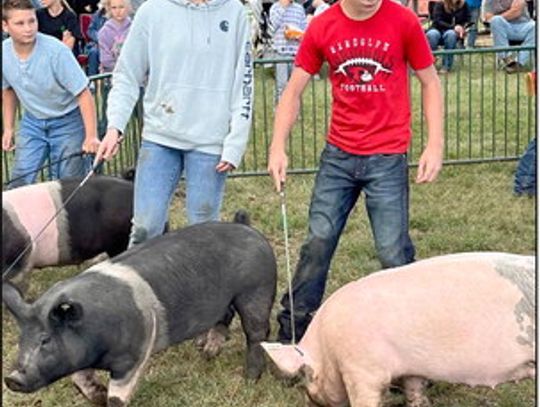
(493, 107)
(458, 110)
(470, 116)
(505, 115)
(482, 65)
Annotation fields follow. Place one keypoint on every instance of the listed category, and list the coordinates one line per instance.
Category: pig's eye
(45, 340)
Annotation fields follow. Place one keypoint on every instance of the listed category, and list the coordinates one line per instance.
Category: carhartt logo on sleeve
(224, 25)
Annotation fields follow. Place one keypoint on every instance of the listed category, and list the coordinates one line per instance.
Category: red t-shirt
(368, 63)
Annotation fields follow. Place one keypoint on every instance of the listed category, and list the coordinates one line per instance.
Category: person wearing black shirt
(58, 20)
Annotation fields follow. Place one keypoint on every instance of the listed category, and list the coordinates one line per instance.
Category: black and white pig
(97, 220)
(169, 289)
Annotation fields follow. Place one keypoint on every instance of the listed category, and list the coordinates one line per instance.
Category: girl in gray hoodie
(194, 60)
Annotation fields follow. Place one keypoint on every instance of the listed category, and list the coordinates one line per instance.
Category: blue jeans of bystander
(341, 178)
(159, 169)
(503, 31)
(56, 138)
(449, 39)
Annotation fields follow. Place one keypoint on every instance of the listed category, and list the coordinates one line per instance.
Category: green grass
(469, 208)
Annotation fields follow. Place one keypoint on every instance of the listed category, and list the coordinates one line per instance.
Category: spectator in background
(509, 21)
(287, 24)
(112, 35)
(58, 20)
(447, 27)
(92, 48)
(59, 116)
(474, 16)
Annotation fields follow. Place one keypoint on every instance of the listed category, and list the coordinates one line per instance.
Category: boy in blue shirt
(59, 114)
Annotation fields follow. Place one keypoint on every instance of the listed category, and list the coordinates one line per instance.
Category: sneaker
(444, 71)
(505, 62)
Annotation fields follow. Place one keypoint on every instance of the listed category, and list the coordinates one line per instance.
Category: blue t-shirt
(48, 81)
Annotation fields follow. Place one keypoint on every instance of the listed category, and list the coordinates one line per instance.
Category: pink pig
(463, 318)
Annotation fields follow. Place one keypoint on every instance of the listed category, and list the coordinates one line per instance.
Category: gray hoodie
(196, 65)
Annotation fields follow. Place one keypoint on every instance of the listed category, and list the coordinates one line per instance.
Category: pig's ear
(66, 313)
(14, 302)
(288, 358)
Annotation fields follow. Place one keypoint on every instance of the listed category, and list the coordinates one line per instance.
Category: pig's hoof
(210, 343)
(253, 374)
(115, 402)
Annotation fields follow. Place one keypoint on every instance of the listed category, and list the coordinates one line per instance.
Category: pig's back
(466, 318)
(198, 269)
(30, 208)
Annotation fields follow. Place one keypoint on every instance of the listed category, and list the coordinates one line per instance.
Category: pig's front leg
(90, 386)
(121, 390)
(364, 389)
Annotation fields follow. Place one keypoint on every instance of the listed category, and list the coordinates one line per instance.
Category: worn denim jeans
(56, 138)
(158, 172)
(525, 178)
(341, 178)
(283, 73)
(474, 17)
(504, 31)
(448, 39)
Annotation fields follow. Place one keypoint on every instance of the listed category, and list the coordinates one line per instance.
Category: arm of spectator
(241, 102)
(68, 39)
(106, 57)
(430, 162)
(9, 107)
(72, 24)
(515, 10)
(286, 114)
(277, 11)
(88, 113)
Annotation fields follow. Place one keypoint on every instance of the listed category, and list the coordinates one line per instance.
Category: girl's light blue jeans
(158, 173)
(56, 138)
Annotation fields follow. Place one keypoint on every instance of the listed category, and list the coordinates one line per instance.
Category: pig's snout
(16, 382)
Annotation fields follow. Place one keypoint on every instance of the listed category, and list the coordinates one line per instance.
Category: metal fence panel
(488, 116)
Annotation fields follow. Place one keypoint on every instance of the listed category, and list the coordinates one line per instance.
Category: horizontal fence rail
(488, 116)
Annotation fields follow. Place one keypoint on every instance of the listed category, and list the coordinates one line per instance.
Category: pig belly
(482, 354)
(34, 206)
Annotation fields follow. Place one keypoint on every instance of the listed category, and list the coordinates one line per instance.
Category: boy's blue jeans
(158, 172)
(56, 138)
(339, 182)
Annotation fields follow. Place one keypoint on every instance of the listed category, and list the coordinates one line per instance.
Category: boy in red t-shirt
(369, 46)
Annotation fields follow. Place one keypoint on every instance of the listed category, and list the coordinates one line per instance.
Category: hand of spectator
(430, 164)
(109, 145)
(459, 30)
(277, 166)
(224, 166)
(90, 145)
(68, 39)
(7, 140)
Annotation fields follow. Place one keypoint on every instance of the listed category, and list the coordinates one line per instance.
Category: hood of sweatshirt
(195, 63)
